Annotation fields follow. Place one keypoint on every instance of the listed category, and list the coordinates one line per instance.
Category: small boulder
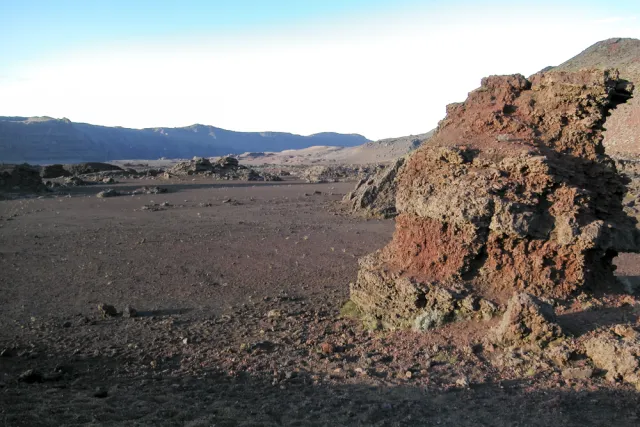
(616, 350)
(108, 193)
(526, 321)
(129, 312)
(107, 310)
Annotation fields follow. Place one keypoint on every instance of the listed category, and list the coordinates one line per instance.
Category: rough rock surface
(224, 168)
(621, 138)
(376, 195)
(20, 178)
(631, 168)
(513, 193)
(617, 351)
(54, 171)
(320, 174)
(527, 320)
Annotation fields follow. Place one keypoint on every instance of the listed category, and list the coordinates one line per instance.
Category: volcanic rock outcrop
(514, 193)
(20, 178)
(376, 195)
(224, 168)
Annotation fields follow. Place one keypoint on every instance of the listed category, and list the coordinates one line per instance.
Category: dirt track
(239, 287)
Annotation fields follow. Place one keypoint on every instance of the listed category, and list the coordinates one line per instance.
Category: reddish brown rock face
(513, 193)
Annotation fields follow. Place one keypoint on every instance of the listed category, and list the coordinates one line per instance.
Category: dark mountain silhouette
(48, 140)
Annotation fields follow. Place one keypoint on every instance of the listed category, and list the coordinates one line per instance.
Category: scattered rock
(327, 348)
(150, 190)
(129, 312)
(107, 310)
(323, 174)
(275, 314)
(577, 373)
(108, 193)
(226, 168)
(100, 393)
(30, 376)
(375, 196)
(75, 181)
(463, 382)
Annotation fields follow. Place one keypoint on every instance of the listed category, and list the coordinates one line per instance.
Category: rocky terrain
(228, 308)
(47, 140)
(506, 291)
(375, 195)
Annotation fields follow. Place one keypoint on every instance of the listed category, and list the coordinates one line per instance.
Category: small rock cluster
(20, 178)
(226, 168)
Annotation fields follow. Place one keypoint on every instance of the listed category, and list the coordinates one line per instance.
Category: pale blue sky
(377, 67)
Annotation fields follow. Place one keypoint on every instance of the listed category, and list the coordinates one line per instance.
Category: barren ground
(239, 288)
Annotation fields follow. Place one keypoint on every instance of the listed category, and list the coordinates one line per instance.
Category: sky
(380, 68)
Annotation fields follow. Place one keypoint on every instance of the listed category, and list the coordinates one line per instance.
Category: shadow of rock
(580, 323)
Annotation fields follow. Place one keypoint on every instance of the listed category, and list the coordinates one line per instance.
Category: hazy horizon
(377, 68)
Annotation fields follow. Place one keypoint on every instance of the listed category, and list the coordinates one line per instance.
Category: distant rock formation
(20, 179)
(375, 196)
(513, 194)
(321, 174)
(223, 168)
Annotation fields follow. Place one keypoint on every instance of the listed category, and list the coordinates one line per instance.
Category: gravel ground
(238, 289)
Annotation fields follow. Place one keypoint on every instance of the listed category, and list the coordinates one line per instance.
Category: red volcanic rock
(513, 193)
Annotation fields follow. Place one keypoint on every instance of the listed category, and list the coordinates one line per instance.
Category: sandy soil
(238, 288)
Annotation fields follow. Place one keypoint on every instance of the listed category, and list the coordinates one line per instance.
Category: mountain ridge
(45, 139)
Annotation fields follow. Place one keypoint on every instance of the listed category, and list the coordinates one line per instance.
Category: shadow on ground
(170, 398)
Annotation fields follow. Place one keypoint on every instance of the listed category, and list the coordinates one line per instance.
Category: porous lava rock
(514, 193)
(375, 195)
(334, 173)
(617, 351)
(527, 320)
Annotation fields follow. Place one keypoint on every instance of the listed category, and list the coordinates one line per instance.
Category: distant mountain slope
(43, 139)
(382, 151)
(622, 138)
